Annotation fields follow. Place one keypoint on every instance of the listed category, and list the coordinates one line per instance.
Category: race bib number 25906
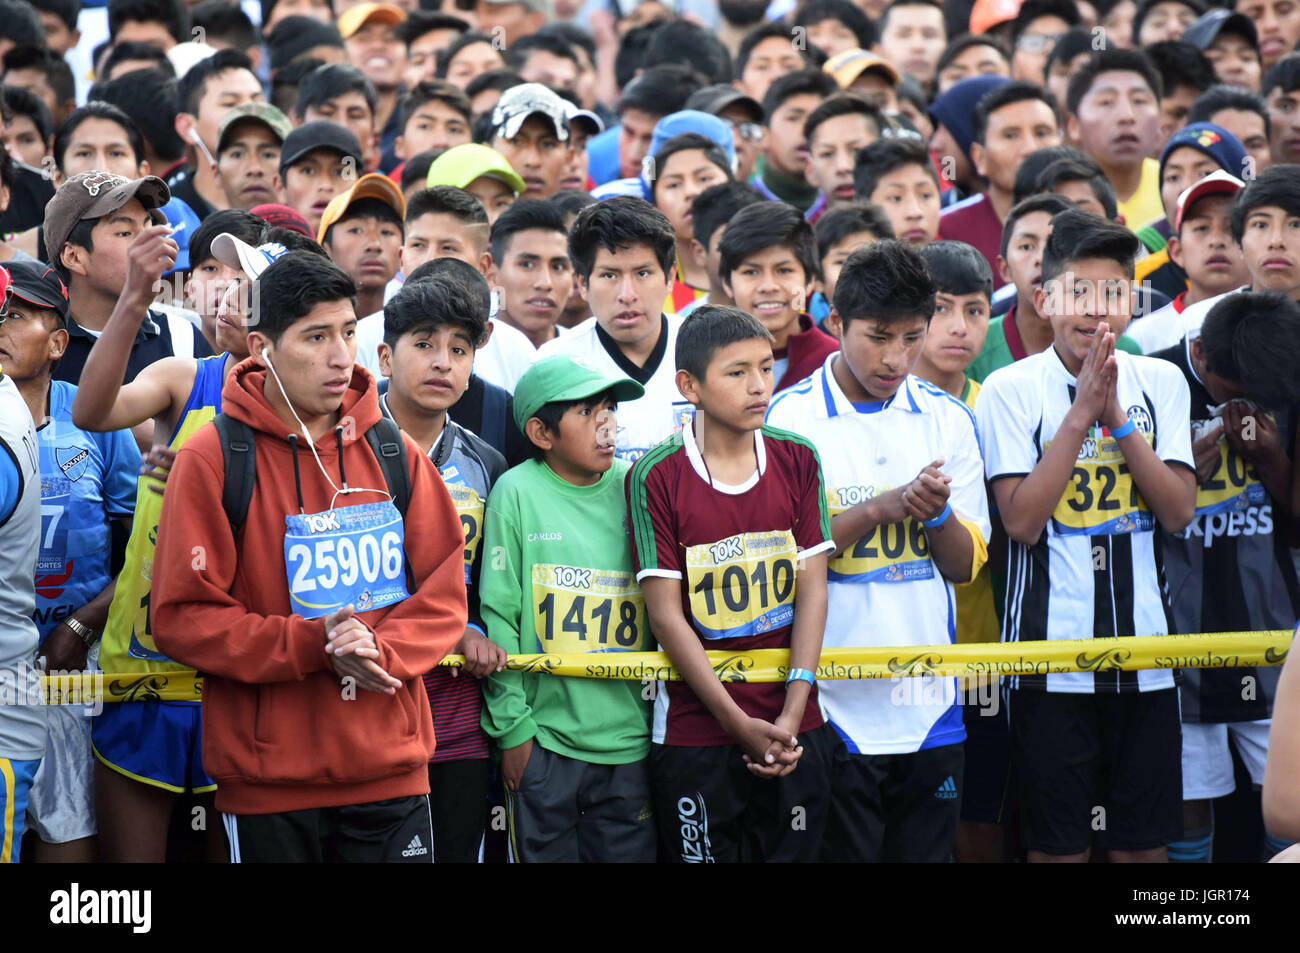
(349, 556)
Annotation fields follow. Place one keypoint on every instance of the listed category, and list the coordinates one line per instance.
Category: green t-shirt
(557, 578)
(999, 350)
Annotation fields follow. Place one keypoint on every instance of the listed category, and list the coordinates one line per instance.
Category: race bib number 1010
(742, 585)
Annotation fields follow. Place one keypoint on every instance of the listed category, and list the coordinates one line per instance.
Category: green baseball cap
(562, 377)
(265, 113)
(461, 165)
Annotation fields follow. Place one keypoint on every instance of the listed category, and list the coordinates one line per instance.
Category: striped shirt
(1096, 569)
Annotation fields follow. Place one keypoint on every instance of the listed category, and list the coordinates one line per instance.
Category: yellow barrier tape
(1201, 650)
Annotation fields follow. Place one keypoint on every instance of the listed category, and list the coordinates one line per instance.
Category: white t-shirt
(1094, 573)
(1167, 327)
(885, 589)
(661, 411)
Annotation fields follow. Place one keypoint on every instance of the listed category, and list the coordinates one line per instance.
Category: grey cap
(519, 102)
(95, 194)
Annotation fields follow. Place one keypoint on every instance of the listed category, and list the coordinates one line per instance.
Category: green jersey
(557, 578)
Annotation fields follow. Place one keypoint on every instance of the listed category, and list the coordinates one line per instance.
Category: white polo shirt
(661, 411)
(885, 590)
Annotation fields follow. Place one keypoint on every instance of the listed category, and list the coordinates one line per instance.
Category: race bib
(56, 493)
(469, 505)
(576, 609)
(892, 552)
(743, 585)
(1232, 487)
(1101, 498)
(348, 556)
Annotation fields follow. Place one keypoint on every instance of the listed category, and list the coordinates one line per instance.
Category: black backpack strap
(385, 440)
(238, 447)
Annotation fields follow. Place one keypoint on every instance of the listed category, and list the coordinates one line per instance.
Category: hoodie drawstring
(297, 475)
(338, 434)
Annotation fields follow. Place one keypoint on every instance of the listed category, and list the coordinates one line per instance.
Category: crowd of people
(341, 337)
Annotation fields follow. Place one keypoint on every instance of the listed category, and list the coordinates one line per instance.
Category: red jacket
(278, 732)
(807, 349)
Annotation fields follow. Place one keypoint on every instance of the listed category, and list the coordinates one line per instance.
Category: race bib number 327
(1101, 498)
(349, 556)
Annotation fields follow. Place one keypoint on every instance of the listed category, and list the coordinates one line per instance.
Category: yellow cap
(848, 65)
(372, 186)
(352, 20)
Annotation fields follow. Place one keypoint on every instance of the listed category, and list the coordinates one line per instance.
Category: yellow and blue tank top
(128, 644)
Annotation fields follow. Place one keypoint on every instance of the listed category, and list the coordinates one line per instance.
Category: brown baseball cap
(94, 195)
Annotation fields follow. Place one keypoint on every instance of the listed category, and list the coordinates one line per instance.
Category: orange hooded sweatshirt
(279, 733)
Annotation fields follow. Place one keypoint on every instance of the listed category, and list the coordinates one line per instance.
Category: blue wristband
(938, 520)
(1119, 433)
(801, 675)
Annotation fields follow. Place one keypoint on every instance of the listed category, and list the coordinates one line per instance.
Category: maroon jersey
(735, 550)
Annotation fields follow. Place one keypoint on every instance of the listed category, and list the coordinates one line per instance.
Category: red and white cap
(1217, 182)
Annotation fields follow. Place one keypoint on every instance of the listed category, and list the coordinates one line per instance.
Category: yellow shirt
(977, 619)
(1144, 207)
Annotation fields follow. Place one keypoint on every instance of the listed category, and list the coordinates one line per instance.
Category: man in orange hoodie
(315, 616)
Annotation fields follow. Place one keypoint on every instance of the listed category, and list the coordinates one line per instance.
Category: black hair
(1050, 203)
(225, 21)
(285, 82)
(838, 223)
(685, 142)
(884, 282)
(123, 52)
(883, 22)
(468, 38)
(194, 84)
(572, 201)
(1033, 165)
(1221, 96)
(814, 81)
(499, 79)
(1145, 7)
(717, 205)
(615, 224)
(884, 156)
(519, 50)
(1032, 10)
(629, 59)
(268, 7)
(708, 330)
(429, 90)
(430, 302)
(958, 269)
(292, 240)
(447, 200)
(550, 415)
(420, 22)
(1016, 91)
(172, 14)
(296, 35)
(844, 104)
(150, 98)
(1274, 187)
(909, 90)
(1181, 64)
(57, 73)
(1284, 74)
(661, 90)
(1076, 40)
(245, 226)
(7, 170)
(23, 102)
(768, 225)
(293, 285)
(1072, 170)
(416, 169)
(82, 236)
(572, 34)
(366, 208)
(960, 44)
(1106, 61)
(520, 217)
(757, 35)
(331, 81)
(19, 23)
(846, 12)
(690, 44)
(96, 110)
(1253, 339)
(65, 10)
(1078, 235)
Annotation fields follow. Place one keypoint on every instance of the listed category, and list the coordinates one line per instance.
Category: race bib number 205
(349, 556)
(742, 585)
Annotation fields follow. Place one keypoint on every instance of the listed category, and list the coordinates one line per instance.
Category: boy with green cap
(557, 577)
(482, 172)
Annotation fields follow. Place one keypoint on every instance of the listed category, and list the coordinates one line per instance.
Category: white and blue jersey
(87, 480)
(884, 589)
